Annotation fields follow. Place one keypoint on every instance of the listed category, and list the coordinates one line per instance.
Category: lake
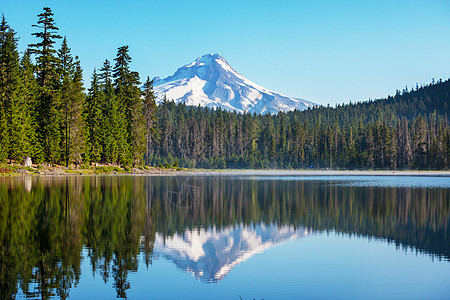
(225, 236)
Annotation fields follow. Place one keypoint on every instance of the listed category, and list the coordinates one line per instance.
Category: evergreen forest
(46, 114)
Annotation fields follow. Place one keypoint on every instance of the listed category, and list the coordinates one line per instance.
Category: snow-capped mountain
(211, 82)
(209, 254)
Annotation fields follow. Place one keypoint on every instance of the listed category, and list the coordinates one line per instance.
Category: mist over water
(227, 236)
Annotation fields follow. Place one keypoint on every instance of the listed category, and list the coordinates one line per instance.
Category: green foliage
(128, 95)
(108, 169)
(14, 168)
(14, 120)
(94, 120)
(176, 164)
(29, 92)
(149, 111)
(45, 114)
(366, 135)
(48, 110)
(46, 59)
(72, 100)
(4, 137)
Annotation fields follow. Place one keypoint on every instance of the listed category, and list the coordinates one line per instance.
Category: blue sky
(323, 51)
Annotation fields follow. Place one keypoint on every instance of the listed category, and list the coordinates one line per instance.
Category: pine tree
(150, 116)
(109, 142)
(31, 145)
(75, 122)
(4, 137)
(65, 70)
(121, 74)
(5, 92)
(114, 123)
(420, 142)
(405, 151)
(128, 94)
(94, 120)
(72, 98)
(48, 108)
(46, 59)
(14, 106)
(391, 148)
(138, 128)
(446, 149)
(370, 146)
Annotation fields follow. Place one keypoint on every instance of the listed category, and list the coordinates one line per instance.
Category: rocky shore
(57, 170)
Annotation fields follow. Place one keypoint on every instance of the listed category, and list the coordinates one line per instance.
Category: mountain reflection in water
(210, 254)
(204, 224)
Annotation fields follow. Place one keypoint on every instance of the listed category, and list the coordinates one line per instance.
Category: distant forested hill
(407, 131)
(409, 104)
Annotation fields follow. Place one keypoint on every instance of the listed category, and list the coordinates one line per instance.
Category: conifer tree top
(48, 33)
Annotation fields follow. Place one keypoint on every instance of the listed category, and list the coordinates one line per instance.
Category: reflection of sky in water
(366, 181)
(257, 261)
(321, 266)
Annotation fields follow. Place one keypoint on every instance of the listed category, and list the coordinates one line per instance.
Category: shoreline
(424, 173)
(7, 170)
(13, 170)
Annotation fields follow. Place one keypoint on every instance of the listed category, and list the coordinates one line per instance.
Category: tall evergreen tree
(14, 102)
(150, 116)
(5, 92)
(404, 143)
(138, 132)
(48, 108)
(109, 143)
(114, 125)
(128, 95)
(66, 71)
(72, 97)
(420, 142)
(44, 50)
(32, 146)
(94, 120)
(76, 144)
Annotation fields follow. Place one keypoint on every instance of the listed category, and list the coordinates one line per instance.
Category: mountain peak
(211, 56)
(206, 60)
(211, 82)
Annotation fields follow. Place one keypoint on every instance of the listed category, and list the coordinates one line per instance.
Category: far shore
(327, 173)
(49, 170)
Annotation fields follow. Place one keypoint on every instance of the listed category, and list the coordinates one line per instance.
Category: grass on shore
(47, 169)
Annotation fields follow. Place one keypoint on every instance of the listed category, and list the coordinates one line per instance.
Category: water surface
(225, 237)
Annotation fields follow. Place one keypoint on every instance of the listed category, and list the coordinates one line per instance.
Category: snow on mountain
(210, 254)
(211, 82)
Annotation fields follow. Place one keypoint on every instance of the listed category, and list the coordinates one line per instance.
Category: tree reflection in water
(46, 222)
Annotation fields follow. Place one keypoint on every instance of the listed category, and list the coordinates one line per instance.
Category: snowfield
(211, 82)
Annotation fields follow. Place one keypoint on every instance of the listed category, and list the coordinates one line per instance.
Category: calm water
(225, 237)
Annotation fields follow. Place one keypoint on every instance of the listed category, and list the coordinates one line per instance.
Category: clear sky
(323, 51)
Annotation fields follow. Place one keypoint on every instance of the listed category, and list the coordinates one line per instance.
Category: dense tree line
(45, 114)
(409, 130)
